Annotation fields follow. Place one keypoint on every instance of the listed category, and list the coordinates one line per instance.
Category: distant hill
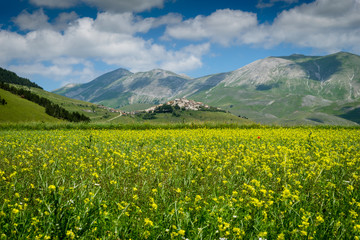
(122, 88)
(11, 77)
(287, 90)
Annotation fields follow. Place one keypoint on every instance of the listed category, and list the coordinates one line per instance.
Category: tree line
(11, 77)
(51, 108)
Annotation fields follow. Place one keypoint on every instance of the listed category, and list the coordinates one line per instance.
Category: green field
(73, 105)
(268, 183)
(18, 110)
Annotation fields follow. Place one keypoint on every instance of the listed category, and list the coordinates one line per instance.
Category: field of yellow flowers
(283, 183)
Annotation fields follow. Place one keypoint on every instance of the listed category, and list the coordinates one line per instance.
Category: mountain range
(288, 90)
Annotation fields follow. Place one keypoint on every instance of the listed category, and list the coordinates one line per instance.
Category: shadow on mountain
(113, 93)
(321, 69)
(173, 82)
(264, 87)
(211, 82)
(353, 115)
(140, 83)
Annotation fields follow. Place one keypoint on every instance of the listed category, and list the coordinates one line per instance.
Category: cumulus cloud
(324, 24)
(64, 19)
(110, 38)
(34, 21)
(130, 24)
(38, 20)
(65, 70)
(106, 5)
(187, 59)
(327, 25)
(41, 69)
(223, 26)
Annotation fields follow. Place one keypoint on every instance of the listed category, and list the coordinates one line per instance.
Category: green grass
(136, 107)
(74, 105)
(18, 110)
(272, 183)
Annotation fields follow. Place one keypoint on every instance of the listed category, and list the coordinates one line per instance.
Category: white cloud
(106, 5)
(110, 38)
(129, 23)
(223, 26)
(34, 21)
(64, 19)
(40, 69)
(328, 25)
(38, 20)
(187, 59)
(61, 70)
(126, 23)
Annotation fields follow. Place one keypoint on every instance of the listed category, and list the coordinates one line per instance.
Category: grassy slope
(276, 107)
(18, 109)
(284, 104)
(136, 107)
(76, 105)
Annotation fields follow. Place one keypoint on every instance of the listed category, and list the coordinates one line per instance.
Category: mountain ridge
(274, 90)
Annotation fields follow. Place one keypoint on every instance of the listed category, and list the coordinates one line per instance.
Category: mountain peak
(122, 70)
(159, 70)
(159, 73)
(110, 77)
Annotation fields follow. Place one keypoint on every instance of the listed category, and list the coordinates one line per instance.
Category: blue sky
(54, 42)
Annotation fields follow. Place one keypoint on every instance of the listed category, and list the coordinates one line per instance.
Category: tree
(148, 116)
(3, 101)
(164, 109)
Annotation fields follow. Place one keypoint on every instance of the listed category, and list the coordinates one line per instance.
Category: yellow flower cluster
(289, 183)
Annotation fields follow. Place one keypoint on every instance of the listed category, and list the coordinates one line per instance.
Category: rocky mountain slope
(291, 90)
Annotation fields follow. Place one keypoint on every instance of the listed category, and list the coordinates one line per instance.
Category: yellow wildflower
(148, 222)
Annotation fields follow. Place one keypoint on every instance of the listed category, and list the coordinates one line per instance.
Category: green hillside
(305, 91)
(93, 111)
(18, 109)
